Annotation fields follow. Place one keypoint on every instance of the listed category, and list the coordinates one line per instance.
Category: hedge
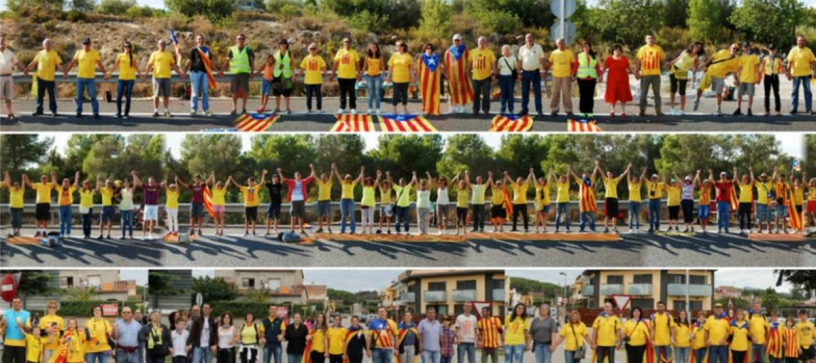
(83, 308)
(239, 308)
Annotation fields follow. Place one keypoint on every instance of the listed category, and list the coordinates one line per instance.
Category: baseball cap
(688, 177)
(723, 173)
(654, 176)
(717, 305)
(457, 37)
(86, 41)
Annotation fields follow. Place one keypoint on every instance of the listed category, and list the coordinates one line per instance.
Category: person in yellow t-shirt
(605, 332)
(386, 208)
(65, 201)
(373, 75)
(520, 187)
(636, 335)
(575, 334)
(679, 68)
(654, 191)
(336, 334)
(98, 332)
(75, 339)
(347, 186)
(43, 206)
(717, 67)
(806, 334)
(610, 182)
(219, 193)
(482, 66)
(462, 199)
(717, 328)
(86, 59)
(319, 338)
(674, 190)
(634, 187)
(682, 337)
(562, 199)
(162, 62)
(801, 67)
(649, 62)
(108, 212)
(312, 68)
(346, 66)
(561, 62)
(759, 332)
(47, 62)
(252, 196)
(810, 208)
(35, 345)
(16, 192)
(798, 196)
(498, 212)
(52, 325)
(128, 71)
(747, 77)
(86, 196)
(662, 332)
(400, 67)
(542, 201)
(764, 200)
(739, 332)
(324, 187)
(516, 334)
(699, 344)
(746, 199)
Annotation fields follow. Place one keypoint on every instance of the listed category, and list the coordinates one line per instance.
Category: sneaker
(341, 111)
(750, 114)
(718, 113)
(35, 114)
(79, 115)
(606, 230)
(125, 117)
(309, 112)
(98, 238)
(738, 112)
(522, 113)
(696, 104)
(540, 114)
(369, 111)
(672, 112)
(680, 113)
(260, 110)
(554, 113)
(378, 112)
(156, 113)
(118, 115)
(793, 112)
(353, 111)
(319, 112)
(193, 113)
(570, 114)
(277, 111)
(288, 112)
(320, 230)
(208, 113)
(167, 114)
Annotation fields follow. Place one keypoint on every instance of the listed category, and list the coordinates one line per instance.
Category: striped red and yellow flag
(429, 84)
(307, 357)
(461, 90)
(255, 122)
(208, 205)
(732, 194)
(511, 123)
(205, 58)
(587, 191)
(582, 126)
(774, 339)
(353, 123)
(508, 205)
(795, 217)
(405, 124)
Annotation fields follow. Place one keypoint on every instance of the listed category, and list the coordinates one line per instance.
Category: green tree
(161, 284)
(367, 15)
(32, 282)
(214, 289)
(346, 297)
(214, 10)
(21, 151)
(402, 154)
(466, 152)
(204, 154)
(770, 300)
(676, 13)
(83, 6)
(50, 5)
(292, 153)
(510, 16)
(517, 154)
(115, 7)
(436, 15)
(769, 20)
(805, 280)
(81, 293)
(626, 21)
(347, 151)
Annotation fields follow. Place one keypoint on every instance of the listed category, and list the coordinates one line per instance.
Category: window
(273, 284)
(614, 279)
(94, 280)
(645, 304)
(697, 280)
(67, 282)
(677, 279)
(466, 285)
(440, 309)
(437, 286)
(413, 288)
(248, 283)
(681, 305)
(458, 309)
(498, 284)
(643, 279)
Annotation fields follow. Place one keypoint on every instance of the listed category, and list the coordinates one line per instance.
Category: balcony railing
(640, 289)
(693, 289)
(408, 297)
(463, 295)
(588, 290)
(611, 289)
(498, 295)
(435, 296)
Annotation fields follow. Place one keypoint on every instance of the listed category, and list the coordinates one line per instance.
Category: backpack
(289, 237)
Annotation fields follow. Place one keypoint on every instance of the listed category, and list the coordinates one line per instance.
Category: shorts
(677, 85)
(387, 210)
(545, 209)
(763, 212)
(717, 84)
(107, 213)
(279, 89)
(219, 208)
(808, 353)
(799, 209)
(43, 212)
(781, 211)
(7, 88)
(746, 89)
(811, 206)
(266, 87)
(611, 207)
(442, 210)
(151, 213)
(251, 214)
(703, 211)
(196, 210)
(674, 212)
(498, 211)
(274, 211)
(162, 87)
(324, 208)
(298, 209)
(240, 82)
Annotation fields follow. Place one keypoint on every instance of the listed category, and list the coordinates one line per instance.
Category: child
(266, 82)
(34, 345)
(313, 67)
(252, 195)
(74, 341)
(447, 338)
(386, 209)
(179, 338)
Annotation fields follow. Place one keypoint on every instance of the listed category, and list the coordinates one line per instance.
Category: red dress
(617, 81)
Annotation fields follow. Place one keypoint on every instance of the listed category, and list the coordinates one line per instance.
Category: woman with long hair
(575, 334)
(635, 335)
(128, 70)
(682, 337)
(373, 69)
(368, 202)
(517, 324)
(618, 69)
(318, 353)
(587, 74)
(740, 344)
(75, 341)
(688, 60)
(442, 201)
(227, 337)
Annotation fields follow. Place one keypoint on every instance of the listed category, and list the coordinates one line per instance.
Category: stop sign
(8, 287)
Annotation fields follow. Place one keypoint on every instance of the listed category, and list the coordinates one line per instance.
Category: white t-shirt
(179, 343)
(442, 197)
(7, 62)
(531, 57)
(297, 192)
(506, 65)
(423, 198)
(467, 328)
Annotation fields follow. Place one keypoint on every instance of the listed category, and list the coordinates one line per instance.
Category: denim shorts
(196, 210)
(324, 208)
(266, 87)
(107, 213)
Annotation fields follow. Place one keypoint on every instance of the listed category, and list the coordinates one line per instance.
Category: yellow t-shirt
(86, 63)
(718, 330)
(385, 196)
(34, 348)
(746, 193)
(740, 336)
(634, 192)
(76, 347)
(515, 330)
(763, 189)
(372, 66)
(43, 192)
(462, 198)
(368, 198)
(98, 330)
(520, 193)
(172, 199)
(606, 328)
(720, 66)
(650, 57)
(699, 341)
(107, 196)
(562, 192)
(313, 67)
(611, 187)
(251, 198)
(562, 61)
(86, 198)
(65, 196)
(800, 60)
(348, 190)
(662, 324)
(654, 190)
(323, 190)
(400, 66)
(47, 63)
(16, 197)
(759, 326)
(673, 195)
(403, 195)
(748, 68)
(542, 195)
(497, 196)
(219, 196)
(805, 333)
(337, 338)
(798, 196)
(318, 345)
(637, 332)
(162, 64)
(482, 61)
(348, 60)
(682, 332)
(571, 332)
(59, 325)
(126, 70)
(250, 334)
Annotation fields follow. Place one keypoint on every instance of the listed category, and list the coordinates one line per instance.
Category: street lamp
(565, 287)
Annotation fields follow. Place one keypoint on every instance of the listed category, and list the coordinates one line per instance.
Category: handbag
(580, 352)
(159, 350)
(513, 71)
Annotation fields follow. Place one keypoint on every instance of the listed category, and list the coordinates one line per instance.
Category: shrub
(136, 11)
(115, 7)
(76, 16)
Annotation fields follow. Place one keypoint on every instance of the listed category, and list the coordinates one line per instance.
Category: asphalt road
(233, 249)
(142, 121)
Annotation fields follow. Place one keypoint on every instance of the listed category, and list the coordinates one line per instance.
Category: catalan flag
(508, 205)
(774, 339)
(511, 123)
(461, 90)
(353, 123)
(208, 205)
(797, 165)
(204, 54)
(795, 217)
(582, 126)
(732, 196)
(176, 46)
(401, 336)
(405, 124)
(430, 83)
(307, 358)
(587, 192)
(255, 122)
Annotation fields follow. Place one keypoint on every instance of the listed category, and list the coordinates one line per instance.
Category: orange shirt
(489, 329)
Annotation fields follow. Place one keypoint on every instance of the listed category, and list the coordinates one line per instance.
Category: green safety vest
(240, 60)
(586, 70)
(282, 65)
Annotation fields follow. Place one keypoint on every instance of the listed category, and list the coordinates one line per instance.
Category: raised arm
(711, 175)
(531, 177)
(751, 172)
(431, 183)
(625, 172)
(734, 178)
(775, 172)
(413, 178)
(377, 180)
(642, 175)
(231, 180)
(362, 175)
(280, 174)
(263, 177)
(136, 181)
(507, 179)
(336, 174)
(212, 178)
(312, 168)
(98, 183)
(180, 182)
(388, 178)
(467, 178)
(490, 179)
(26, 180)
(454, 180)
(7, 179)
(697, 178)
(677, 178)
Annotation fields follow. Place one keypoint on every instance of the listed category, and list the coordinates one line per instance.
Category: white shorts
(7, 88)
(151, 213)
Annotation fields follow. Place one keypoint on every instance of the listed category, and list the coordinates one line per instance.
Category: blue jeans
(203, 355)
(605, 352)
(122, 357)
(87, 219)
(805, 82)
(127, 222)
(297, 358)
(757, 353)
(378, 355)
(718, 354)
(507, 84)
(444, 359)
(682, 354)
(430, 356)
(81, 85)
(43, 87)
(270, 351)
(654, 214)
(634, 215)
(662, 350)
(199, 81)
(347, 212)
(569, 357)
(699, 355)
(314, 90)
(123, 88)
(100, 357)
(65, 220)
(723, 215)
(514, 353)
(562, 209)
(402, 215)
(374, 86)
(527, 78)
(543, 353)
(587, 217)
(462, 348)
(764, 213)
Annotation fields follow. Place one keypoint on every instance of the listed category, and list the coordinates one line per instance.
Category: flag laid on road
(405, 124)
(255, 122)
(511, 123)
(353, 123)
(581, 125)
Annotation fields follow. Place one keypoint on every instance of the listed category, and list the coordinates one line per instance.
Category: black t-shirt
(356, 346)
(275, 192)
(196, 64)
(296, 339)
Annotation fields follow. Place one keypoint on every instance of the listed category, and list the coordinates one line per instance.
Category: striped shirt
(489, 328)
(791, 343)
(198, 193)
(383, 332)
(151, 194)
(448, 336)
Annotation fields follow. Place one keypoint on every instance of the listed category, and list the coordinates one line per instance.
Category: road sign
(199, 299)
(568, 34)
(568, 7)
(622, 301)
(479, 305)
(8, 287)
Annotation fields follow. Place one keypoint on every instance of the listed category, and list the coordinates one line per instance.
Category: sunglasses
(346, 42)
(241, 39)
(312, 48)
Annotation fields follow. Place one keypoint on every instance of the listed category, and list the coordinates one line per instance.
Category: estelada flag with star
(456, 58)
(405, 124)
(582, 125)
(429, 83)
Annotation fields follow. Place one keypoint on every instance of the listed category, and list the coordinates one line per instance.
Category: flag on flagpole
(797, 165)
(511, 123)
(582, 126)
(177, 46)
